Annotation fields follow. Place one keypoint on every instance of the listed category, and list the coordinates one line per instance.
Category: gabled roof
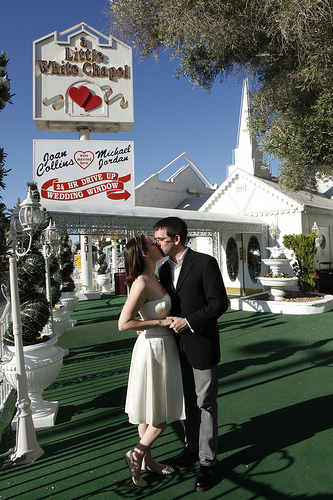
(194, 168)
(304, 197)
(296, 201)
(83, 28)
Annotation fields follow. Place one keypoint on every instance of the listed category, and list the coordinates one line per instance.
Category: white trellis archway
(126, 222)
(135, 220)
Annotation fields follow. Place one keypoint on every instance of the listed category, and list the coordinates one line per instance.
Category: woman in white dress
(155, 391)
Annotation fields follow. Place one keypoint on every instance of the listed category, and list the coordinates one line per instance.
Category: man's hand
(179, 325)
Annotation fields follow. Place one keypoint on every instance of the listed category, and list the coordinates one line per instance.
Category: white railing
(5, 388)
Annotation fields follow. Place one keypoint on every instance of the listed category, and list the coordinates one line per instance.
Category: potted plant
(103, 277)
(43, 358)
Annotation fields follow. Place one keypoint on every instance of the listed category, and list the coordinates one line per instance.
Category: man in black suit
(194, 282)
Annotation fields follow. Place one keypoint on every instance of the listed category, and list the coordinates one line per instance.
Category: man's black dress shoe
(185, 458)
(205, 478)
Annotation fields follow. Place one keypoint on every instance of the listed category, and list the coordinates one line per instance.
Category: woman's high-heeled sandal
(130, 462)
(166, 471)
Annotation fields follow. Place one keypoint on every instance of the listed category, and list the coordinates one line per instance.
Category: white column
(88, 291)
(114, 257)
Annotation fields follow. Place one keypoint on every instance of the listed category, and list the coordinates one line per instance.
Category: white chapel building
(249, 191)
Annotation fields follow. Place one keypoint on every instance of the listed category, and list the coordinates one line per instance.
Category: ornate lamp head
(15, 229)
(51, 234)
(30, 215)
(51, 237)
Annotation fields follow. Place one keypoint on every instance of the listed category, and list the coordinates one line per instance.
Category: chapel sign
(84, 176)
(82, 79)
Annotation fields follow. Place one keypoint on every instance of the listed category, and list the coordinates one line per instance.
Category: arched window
(322, 241)
(232, 259)
(253, 258)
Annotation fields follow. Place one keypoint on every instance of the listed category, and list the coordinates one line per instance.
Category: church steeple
(247, 155)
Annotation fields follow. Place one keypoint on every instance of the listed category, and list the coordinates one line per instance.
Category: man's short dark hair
(173, 226)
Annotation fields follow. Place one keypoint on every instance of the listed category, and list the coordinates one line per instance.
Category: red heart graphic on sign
(84, 158)
(84, 98)
(80, 95)
(93, 103)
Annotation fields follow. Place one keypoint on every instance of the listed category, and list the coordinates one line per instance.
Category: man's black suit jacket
(200, 297)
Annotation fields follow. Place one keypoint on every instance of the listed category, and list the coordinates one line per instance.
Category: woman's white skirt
(155, 388)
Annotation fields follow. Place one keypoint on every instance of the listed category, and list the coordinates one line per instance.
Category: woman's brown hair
(134, 263)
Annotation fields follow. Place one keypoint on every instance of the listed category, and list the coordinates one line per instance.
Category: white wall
(201, 244)
(154, 192)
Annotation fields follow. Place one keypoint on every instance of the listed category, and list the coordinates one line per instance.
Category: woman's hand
(164, 322)
(179, 325)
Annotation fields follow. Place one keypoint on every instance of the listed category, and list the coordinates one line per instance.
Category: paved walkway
(275, 422)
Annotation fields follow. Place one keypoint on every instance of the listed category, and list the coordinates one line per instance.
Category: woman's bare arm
(137, 297)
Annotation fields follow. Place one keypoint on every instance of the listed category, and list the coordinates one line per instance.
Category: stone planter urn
(69, 300)
(61, 320)
(277, 285)
(104, 281)
(43, 363)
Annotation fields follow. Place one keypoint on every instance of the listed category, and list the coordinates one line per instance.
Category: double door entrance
(241, 262)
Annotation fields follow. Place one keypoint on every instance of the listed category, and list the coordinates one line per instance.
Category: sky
(170, 117)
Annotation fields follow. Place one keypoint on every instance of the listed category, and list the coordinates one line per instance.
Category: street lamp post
(50, 240)
(27, 449)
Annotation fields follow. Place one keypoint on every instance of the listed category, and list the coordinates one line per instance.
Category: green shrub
(304, 249)
(101, 261)
(66, 266)
(34, 307)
